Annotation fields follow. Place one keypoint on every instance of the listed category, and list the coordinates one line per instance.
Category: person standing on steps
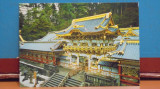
(31, 76)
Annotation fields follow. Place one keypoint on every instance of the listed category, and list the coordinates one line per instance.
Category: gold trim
(106, 15)
(92, 17)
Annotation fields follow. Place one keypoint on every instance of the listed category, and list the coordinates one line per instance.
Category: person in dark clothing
(25, 75)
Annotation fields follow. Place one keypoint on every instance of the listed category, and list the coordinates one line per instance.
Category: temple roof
(90, 24)
(42, 45)
(39, 46)
(128, 46)
(47, 43)
(131, 52)
(131, 38)
(49, 37)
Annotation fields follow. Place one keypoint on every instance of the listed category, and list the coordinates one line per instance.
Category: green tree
(43, 17)
(37, 23)
(81, 9)
(21, 20)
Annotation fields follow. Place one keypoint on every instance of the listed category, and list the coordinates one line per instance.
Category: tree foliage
(42, 18)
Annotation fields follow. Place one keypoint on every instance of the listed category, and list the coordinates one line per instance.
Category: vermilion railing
(130, 82)
(36, 59)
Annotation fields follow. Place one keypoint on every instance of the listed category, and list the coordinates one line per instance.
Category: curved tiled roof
(90, 25)
(40, 46)
(48, 37)
(47, 43)
(131, 52)
(37, 46)
(121, 47)
(131, 38)
(118, 38)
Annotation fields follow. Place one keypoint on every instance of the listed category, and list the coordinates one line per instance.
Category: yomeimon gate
(93, 48)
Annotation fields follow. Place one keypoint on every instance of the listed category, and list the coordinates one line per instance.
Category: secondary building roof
(47, 43)
(129, 49)
(37, 46)
(131, 52)
(48, 37)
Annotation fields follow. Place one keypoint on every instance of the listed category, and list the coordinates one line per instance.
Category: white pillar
(99, 68)
(78, 60)
(70, 58)
(89, 62)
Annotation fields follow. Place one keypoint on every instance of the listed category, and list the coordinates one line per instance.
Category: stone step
(58, 75)
(50, 85)
(72, 83)
(51, 81)
(73, 80)
(54, 81)
(57, 78)
(53, 84)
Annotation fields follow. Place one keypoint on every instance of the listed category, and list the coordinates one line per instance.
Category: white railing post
(64, 80)
(47, 80)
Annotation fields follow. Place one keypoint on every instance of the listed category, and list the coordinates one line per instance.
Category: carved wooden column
(70, 58)
(78, 59)
(54, 60)
(119, 73)
(89, 62)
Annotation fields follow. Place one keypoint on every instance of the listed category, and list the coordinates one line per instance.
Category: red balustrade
(36, 59)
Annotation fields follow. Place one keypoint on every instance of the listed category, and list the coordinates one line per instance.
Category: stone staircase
(57, 80)
(72, 83)
(54, 81)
